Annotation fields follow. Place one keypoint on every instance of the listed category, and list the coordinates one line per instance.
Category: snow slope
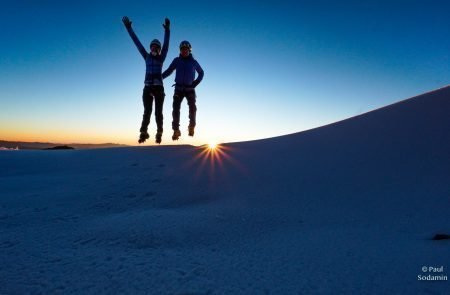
(348, 208)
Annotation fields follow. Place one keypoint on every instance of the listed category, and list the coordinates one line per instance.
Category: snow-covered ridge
(348, 208)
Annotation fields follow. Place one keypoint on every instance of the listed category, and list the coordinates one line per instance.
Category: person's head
(185, 48)
(155, 47)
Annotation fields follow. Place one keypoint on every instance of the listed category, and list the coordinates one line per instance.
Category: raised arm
(170, 69)
(165, 47)
(126, 21)
(200, 72)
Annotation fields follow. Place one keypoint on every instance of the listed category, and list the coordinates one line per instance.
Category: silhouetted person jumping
(154, 89)
(185, 84)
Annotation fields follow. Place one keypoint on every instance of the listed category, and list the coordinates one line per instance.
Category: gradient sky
(70, 72)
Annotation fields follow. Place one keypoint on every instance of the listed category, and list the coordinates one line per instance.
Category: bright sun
(212, 145)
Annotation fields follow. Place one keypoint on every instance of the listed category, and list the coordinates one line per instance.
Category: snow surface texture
(346, 208)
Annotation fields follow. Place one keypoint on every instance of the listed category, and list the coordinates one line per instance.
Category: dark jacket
(186, 68)
(153, 63)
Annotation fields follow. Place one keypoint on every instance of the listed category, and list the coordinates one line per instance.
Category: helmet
(155, 42)
(185, 44)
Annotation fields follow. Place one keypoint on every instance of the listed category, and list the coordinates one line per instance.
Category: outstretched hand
(166, 24)
(126, 21)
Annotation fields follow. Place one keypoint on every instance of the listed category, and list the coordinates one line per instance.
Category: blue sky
(70, 72)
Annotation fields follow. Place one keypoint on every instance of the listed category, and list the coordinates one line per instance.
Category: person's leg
(159, 102)
(190, 96)
(147, 98)
(177, 99)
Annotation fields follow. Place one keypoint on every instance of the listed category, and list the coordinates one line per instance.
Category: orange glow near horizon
(57, 139)
(55, 135)
(75, 136)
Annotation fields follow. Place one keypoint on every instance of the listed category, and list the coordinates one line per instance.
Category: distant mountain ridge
(45, 145)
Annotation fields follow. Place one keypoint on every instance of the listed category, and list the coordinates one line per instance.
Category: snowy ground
(349, 208)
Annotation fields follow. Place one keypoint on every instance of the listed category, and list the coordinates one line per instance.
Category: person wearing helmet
(153, 89)
(185, 83)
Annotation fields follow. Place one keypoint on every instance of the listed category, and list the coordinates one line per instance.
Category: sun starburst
(212, 146)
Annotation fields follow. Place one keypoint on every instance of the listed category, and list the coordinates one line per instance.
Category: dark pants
(157, 93)
(181, 93)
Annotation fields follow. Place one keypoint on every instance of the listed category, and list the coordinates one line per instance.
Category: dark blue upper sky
(70, 71)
